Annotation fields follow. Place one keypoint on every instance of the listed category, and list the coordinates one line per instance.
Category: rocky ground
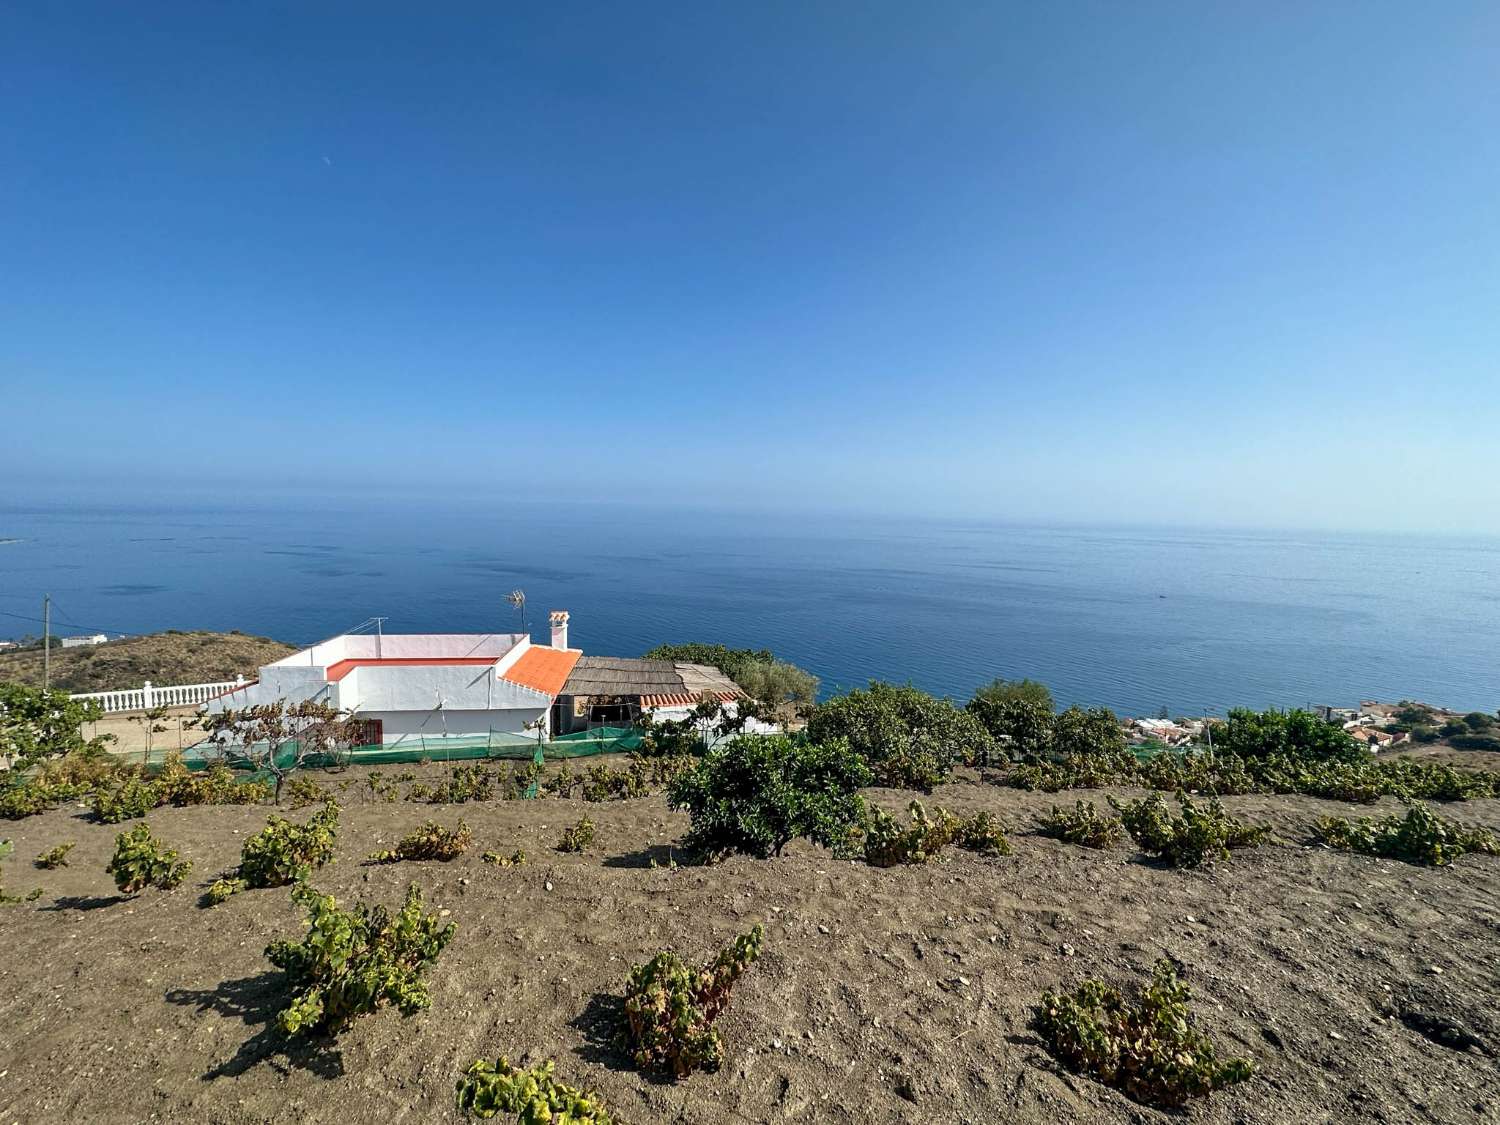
(882, 996)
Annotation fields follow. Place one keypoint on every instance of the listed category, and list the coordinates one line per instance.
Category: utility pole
(46, 641)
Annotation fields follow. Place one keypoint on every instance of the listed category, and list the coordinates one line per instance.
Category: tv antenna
(517, 599)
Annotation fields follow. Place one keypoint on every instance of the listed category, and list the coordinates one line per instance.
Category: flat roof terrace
(337, 672)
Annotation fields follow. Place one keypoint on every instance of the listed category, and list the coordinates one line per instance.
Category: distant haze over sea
(1133, 619)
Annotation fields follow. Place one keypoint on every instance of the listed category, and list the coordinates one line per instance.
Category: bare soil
(1364, 990)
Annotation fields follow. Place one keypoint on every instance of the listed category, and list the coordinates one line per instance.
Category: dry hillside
(162, 658)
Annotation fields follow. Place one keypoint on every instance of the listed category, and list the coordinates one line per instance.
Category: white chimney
(559, 619)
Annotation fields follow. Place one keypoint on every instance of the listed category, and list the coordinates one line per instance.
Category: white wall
(399, 725)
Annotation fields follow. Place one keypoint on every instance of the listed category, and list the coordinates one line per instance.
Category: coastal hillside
(163, 658)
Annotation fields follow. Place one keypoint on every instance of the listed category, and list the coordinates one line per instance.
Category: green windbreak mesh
(437, 748)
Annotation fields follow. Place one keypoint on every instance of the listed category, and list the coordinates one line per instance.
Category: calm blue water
(1131, 619)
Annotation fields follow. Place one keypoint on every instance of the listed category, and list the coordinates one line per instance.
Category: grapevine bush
(671, 1009)
(757, 793)
(430, 841)
(1083, 826)
(1199, 834)
(515, 859)
(578, 838)
(488, 1089)
(282, 853)
(141, 861)
(887, 843)
(352, 962)
(55, 857)
(1148, 1049)
(1421, 836)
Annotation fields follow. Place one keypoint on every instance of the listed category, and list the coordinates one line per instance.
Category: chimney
(559, 618)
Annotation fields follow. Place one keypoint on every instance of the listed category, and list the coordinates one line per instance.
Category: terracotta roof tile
(543, 669)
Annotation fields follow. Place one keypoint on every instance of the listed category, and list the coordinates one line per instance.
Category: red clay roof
(337, 672)
(542, 668)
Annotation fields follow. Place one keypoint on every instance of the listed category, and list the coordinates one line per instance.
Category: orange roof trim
(543, 669)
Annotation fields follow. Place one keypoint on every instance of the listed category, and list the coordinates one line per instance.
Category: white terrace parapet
(149, 695)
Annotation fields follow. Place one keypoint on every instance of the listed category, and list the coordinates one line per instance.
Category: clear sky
(1195, 263)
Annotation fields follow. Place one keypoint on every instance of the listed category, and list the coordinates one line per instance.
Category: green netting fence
(433, 748)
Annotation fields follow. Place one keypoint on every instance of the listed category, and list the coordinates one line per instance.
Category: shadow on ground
(606, 1037)
(256, 1001)
(656, 855)
(85, 902)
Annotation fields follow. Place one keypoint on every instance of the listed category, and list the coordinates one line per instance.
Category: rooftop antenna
(517, 599)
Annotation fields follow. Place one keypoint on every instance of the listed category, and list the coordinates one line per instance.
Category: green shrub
(1148, 1049)
(908, 738)
(1083, 826)
(578, 838)
(282, 853)
(430, 841)
(177, 785)
(1020, 725)
(304, 791)
(671, 1010)
(604, 784)
(140, 861)
(563, 782)
(981, 833)
(30, 798)
(55, 857)
(887, 843)
(756, 793)
(354, 961)
(515, 859)
(1199, 834)
(1421, 836)
(129, 798)
(1293, 734)
(465, 783)
(533, 1095)
(1095, 732)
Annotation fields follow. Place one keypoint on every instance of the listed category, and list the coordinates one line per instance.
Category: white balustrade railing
(149, 695)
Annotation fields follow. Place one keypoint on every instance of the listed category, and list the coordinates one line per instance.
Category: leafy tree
(1479, 721)
(37, 724)
(909, 739)
(757, 793)
(281, 737)
(998, 692)
(1095, 731)
(1294, 734)
(778, 683)
(153, 722)
(726, 660)
(1023, 726)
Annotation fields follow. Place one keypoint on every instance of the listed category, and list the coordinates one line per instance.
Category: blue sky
(1223, 264)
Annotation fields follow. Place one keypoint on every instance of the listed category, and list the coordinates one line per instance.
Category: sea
(1132, 618)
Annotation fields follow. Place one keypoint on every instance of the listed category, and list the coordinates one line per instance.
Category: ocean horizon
(1132, 618)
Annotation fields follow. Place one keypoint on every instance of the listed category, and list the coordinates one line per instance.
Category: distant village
(1370, 723)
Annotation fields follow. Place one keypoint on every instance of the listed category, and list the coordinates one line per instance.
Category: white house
(423, 684)
(79, 642)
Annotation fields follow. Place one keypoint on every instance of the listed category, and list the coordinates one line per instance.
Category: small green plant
(887, 843)
(130, 798)
(282, 853)
(304, 791)
(382, 788)
(981, 833)
(6, 847)
(1198, 835)
(55, 857)
(140, 861)
(1421, 836)
(578, 838)
(430, 841)
(465, 783)
(671, 1010)
(563, 782)
(1147, 1049)
(533, 1095)
(1083, 826)
(515, 859)
(352, 962)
